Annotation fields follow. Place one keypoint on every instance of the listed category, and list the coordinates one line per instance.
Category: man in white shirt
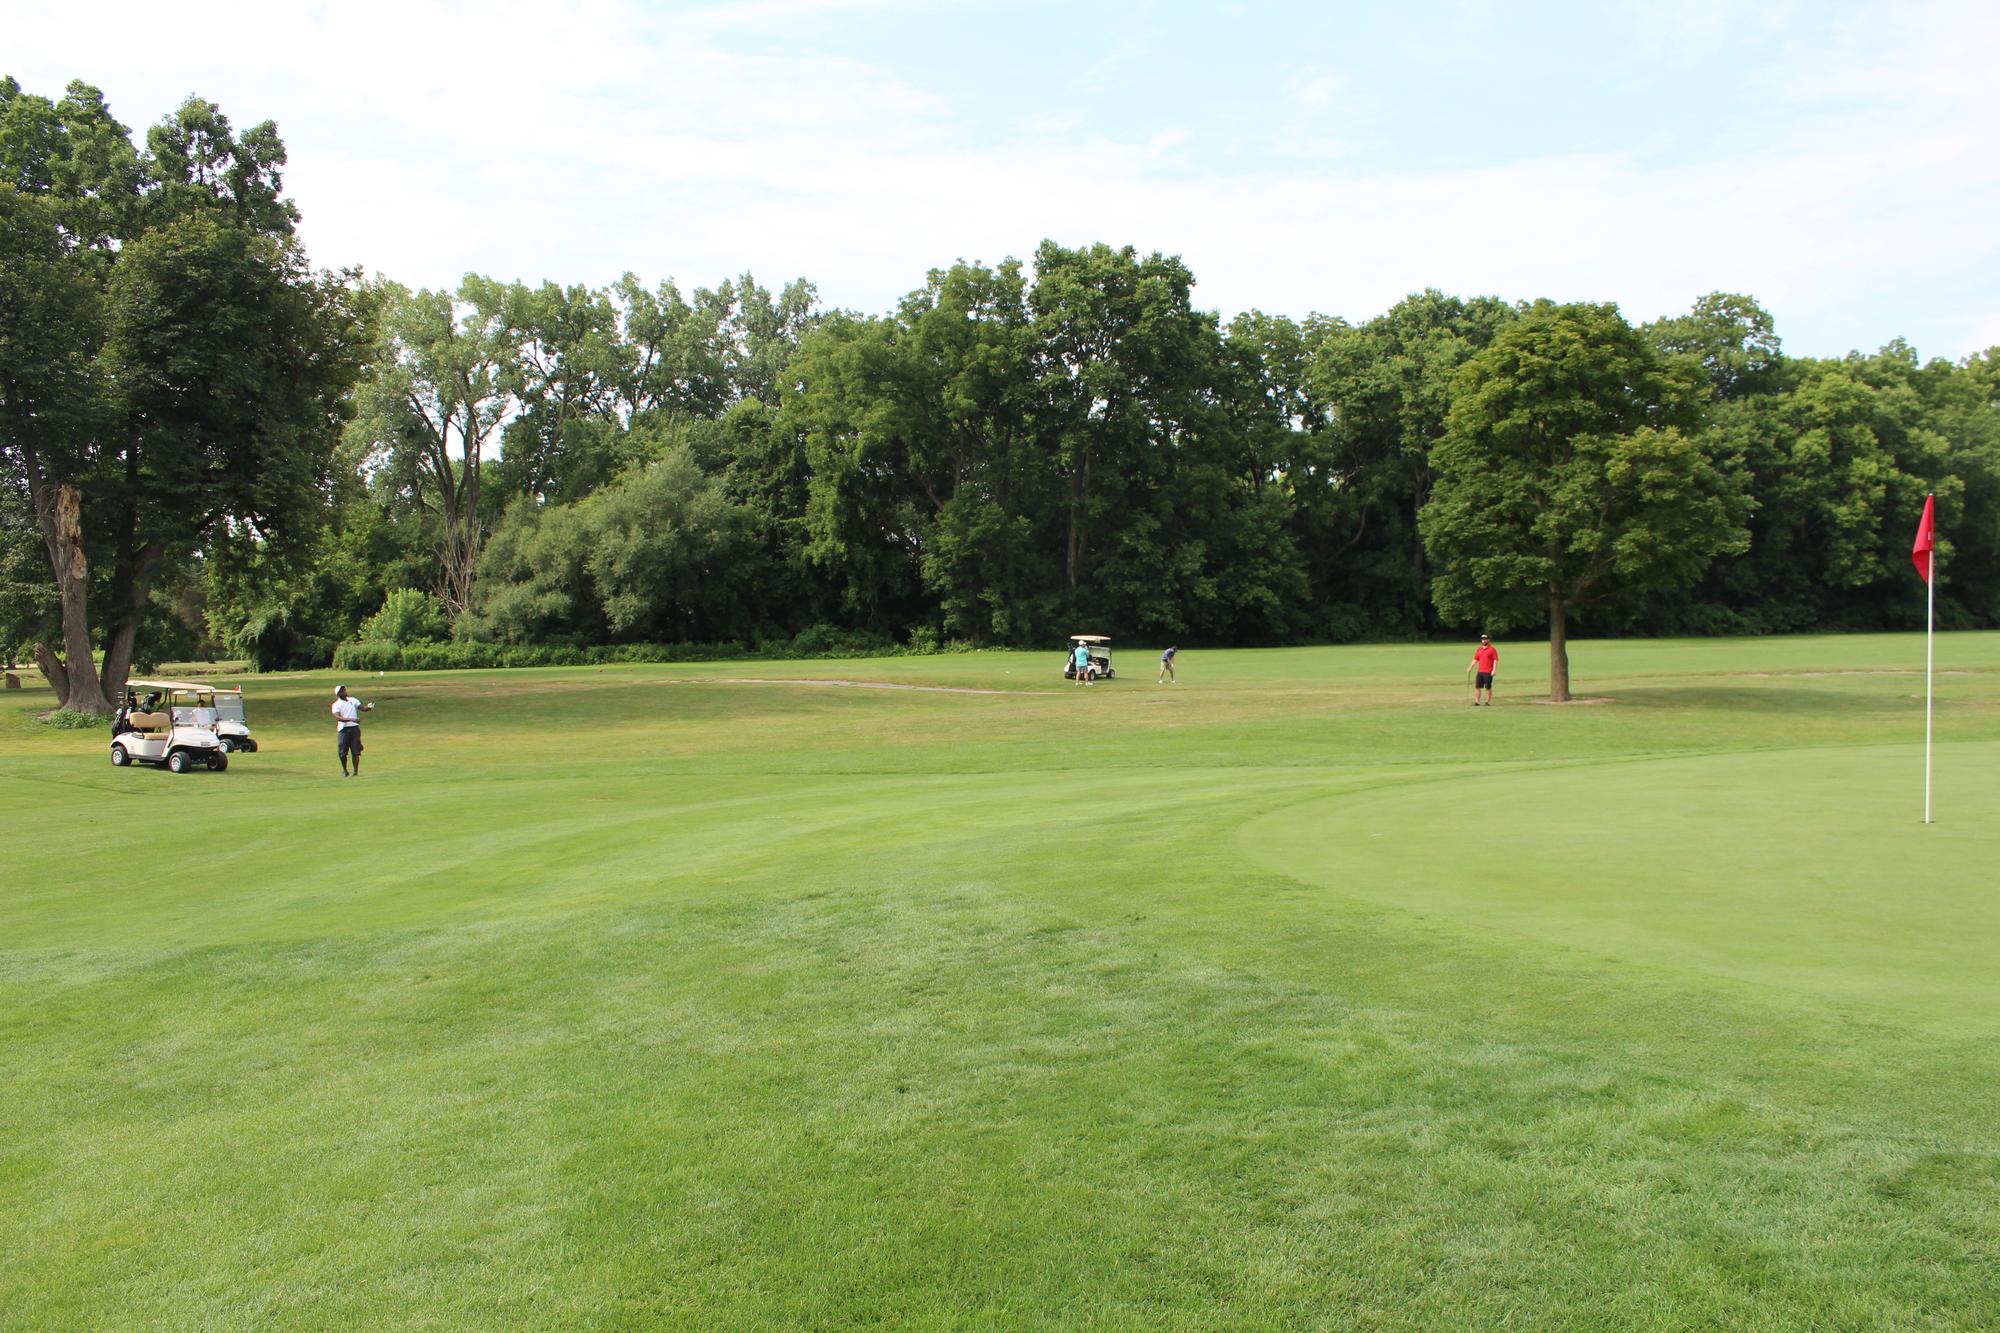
(347, 728)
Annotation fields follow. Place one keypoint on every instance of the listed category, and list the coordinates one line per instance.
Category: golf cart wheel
(119, 757)
(177, 762)
(227, 744)
(219, 760)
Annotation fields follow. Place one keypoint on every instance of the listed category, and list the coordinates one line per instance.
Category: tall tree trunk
(451, 571)
(118, 656)
(469, 489)
(1075, 549)
(458, 504)
(61, 515)
(458, 559)
(1558, 648)
(53, 669)
(125, 630)
(1421, 498)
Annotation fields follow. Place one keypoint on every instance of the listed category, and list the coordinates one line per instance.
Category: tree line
(209, 447)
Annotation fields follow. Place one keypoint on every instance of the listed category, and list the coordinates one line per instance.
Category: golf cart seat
(148, 722)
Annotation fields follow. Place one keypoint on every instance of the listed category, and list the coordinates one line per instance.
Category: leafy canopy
(1567, 475)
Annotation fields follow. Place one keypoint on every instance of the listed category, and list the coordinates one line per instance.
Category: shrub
(833, 641)
(1343, 622)
(68, 719)
(822, 641)
(272, 644)
(818, 641)
(410, 615)
(367, 657)
(1713, 621)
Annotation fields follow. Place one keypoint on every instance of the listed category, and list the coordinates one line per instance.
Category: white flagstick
(1930, 620)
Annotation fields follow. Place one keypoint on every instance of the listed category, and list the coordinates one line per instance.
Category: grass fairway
(1299, 994)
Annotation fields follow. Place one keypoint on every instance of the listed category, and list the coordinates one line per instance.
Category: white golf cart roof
(181, 685)
(1090, 638)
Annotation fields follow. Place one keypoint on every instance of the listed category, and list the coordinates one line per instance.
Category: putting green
(1809, 871)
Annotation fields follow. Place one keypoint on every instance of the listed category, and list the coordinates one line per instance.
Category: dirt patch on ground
(617, 681)
(1579, 701)
(500, 690)
(852, 684)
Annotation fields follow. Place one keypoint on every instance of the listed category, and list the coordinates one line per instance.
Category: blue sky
(1833, 160)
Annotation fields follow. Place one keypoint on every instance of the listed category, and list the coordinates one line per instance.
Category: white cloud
(575, 142)
(1315, 89)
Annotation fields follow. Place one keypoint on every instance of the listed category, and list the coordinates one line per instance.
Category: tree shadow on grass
(1767, 700)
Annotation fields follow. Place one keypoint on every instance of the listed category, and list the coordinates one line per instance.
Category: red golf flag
(1920, 554)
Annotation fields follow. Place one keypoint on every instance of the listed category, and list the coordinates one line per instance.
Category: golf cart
(168, 722)
(231, 728)
(1100, 656)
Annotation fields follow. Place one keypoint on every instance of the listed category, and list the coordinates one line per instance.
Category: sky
(1833, 160)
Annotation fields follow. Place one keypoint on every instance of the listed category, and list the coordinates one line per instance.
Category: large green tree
(230, 363)
(921, 435)
(25, 605)
(430, 411)
(1120, 372)
(171, 373)
(565, 369)
(1963, 401)
(1726, 343)
(699, 356)
(69, 185)
(1838, 456)
(1164, 524)
(51, 316)
(1567, 479)
(866, 515)
(1386, 388)
(656, 555)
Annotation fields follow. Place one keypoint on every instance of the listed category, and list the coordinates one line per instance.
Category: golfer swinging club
(1485, 659)
(347, 729)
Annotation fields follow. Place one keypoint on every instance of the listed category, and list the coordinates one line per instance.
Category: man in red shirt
(1485, 659)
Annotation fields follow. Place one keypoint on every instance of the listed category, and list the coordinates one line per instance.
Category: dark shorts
(1483, 681)
(349, 742)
